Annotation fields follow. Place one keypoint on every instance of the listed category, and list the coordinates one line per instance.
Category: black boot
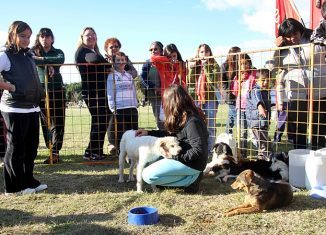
(194, 187)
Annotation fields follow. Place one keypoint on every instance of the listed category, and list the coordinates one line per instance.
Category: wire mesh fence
(294, 105)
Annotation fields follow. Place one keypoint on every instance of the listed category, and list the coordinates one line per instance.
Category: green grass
(87, 199)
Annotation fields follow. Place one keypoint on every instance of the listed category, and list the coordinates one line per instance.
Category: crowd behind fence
(304, 120)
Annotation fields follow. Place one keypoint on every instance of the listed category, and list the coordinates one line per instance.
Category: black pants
(297, 122)
(127, 119)
(100, 115)
(22, 144)
(57, 106)
(319, 124)
(2, 138)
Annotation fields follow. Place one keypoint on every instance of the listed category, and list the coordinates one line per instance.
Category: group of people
(184, 100)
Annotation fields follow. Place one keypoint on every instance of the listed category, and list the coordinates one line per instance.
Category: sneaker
(87, 156)
(194, 187)
(23, 192)
(11, 194)
(93, 156)
(41, 187)
(55, 159)
(27, 191)
(112, 149)
(1, 161)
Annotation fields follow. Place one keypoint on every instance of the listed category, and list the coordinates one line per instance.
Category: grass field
(87, 199)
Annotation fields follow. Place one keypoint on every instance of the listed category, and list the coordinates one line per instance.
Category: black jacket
(93, 71)
(193, 138)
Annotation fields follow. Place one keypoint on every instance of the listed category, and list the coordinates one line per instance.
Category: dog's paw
(218, 179)
(131, 179)
(295, 189)
(140, 191)
(225, 179)
(121, 180)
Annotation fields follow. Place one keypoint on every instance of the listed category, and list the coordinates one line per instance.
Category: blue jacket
(256, 96)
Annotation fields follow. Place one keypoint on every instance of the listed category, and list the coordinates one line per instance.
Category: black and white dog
(224, 166)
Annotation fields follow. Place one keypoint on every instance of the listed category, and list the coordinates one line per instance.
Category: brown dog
(261, 194)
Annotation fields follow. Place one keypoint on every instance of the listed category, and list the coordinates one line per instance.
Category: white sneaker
(11, 194)
(23, 192)
(27, 191)
(41, 187)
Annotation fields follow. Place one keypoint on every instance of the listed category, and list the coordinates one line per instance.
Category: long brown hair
(37, 48)
(178, 107)
(211, 61)
(231, 62)
(15, 28)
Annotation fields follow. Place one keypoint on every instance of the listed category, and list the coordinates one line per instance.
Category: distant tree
(73, 92)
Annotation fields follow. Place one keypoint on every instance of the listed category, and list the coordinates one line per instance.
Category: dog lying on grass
(224, 166)
(142, 150)
(221, 160)
(261, 194)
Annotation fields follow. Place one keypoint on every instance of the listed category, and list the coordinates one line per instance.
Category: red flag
(285, 9)
(315, 14)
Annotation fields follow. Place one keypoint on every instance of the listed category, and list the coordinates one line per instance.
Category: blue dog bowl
(143, 216)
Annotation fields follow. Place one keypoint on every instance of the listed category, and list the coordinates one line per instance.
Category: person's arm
(5, 66)
(191, 80)
(158, 133)
(144, 74)
(319, 34)
(57, 58)
(280, 90)
(110, 91)
(259, 102)
(132, 71)
(7, 86)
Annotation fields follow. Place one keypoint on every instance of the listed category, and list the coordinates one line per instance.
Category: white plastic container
(316, 169)
(297, 161)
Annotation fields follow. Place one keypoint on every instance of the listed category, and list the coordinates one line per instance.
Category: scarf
(201, 87)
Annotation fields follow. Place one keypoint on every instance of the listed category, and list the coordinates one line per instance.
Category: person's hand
(51, 71)
(158, 91)
(141, 132)
(37, 57)
(279, 107)
(12, 88)
(279, 41)
(261, 111)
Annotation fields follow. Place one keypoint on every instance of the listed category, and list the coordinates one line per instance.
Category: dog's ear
(249, 175)
(227, 149)
(164, 150)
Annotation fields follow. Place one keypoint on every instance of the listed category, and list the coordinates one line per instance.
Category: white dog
(144, 149)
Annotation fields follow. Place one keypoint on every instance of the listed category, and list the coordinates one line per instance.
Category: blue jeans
(210, 110)
(232, 118)
(169, 172)
(243, 133)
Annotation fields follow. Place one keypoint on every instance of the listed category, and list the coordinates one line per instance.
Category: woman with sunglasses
(152, 84)
(111, 47)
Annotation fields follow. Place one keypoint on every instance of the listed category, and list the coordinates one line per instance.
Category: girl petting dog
(185, 121)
